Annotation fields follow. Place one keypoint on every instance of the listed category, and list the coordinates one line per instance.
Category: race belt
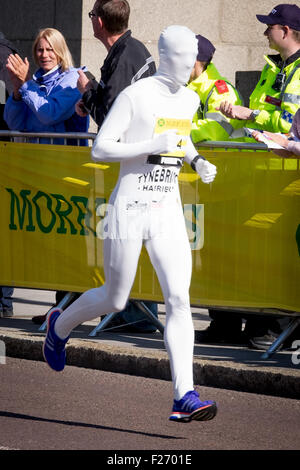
(163, 160)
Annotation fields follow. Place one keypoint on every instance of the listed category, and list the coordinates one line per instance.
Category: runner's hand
(206, 170)
(167, 142)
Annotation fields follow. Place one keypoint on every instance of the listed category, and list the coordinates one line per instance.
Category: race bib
(183, 128)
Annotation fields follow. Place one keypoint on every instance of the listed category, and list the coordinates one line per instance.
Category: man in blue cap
(273, 104)
(212, 88)
(276, 97)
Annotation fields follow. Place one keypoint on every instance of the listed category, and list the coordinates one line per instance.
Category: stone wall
(231, 25)
(20, 21)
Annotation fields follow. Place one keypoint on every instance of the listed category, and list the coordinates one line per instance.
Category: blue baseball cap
(285, 14)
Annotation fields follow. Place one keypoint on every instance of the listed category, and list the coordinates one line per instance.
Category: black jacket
(127, 61)
(6, 48)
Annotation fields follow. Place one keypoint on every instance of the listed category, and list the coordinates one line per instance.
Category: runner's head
(178, 48)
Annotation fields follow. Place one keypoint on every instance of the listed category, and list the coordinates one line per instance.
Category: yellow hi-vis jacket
(208, 123)
(277, 107)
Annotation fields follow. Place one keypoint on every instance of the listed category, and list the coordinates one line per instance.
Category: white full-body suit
(145, 206)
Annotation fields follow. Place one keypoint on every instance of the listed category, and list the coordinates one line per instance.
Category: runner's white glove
(165, 143)
(206, 170)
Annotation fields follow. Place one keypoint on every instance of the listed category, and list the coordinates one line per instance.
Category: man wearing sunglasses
(127, 60)
(276, 97)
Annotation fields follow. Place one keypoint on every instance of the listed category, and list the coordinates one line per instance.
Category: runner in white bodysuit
(145, 206)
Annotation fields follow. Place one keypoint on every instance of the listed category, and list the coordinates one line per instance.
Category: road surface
(90, 409)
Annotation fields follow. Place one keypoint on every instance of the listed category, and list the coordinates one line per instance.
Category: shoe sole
(205, 413)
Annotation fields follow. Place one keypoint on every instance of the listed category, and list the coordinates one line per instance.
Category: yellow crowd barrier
(244, 228)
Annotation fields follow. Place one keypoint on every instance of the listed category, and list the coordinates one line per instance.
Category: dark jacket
(6, 48)
(127, 61)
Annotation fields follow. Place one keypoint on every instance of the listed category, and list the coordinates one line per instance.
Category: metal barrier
(248, 146)
(231, 145)
(25, 136)
(17, 137)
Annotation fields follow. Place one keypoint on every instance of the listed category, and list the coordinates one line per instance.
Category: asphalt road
(90, 409)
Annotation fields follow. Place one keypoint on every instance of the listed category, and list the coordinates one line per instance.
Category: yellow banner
(244, 228)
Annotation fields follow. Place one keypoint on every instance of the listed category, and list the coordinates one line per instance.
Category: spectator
(212, 88)
(211, 124)
(6, 48)
(276, 97)
(127, 60)
(273, 104)
(6, 304)
(46, 103)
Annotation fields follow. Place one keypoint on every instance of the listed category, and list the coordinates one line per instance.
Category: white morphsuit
(146, 206)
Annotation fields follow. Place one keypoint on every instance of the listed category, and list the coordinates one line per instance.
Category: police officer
(276, 97)
(273, 104)
(212, 88)
(210, 124)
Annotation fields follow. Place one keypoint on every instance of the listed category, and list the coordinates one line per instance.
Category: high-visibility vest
(277, 107)
(212, 88)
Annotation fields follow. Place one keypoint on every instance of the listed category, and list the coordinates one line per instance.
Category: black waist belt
(161, 160)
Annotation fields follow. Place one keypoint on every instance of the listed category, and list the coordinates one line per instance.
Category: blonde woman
(46, 102)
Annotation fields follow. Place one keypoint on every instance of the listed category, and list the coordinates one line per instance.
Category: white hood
(178, 48)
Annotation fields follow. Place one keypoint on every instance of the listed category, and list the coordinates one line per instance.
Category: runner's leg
(120, 264)
(172, 262)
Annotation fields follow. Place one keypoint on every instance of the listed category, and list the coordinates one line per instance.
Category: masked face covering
(178, 49)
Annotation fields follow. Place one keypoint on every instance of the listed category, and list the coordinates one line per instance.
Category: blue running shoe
(190, 407)
(54, 348)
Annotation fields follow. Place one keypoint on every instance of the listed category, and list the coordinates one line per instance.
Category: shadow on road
(9, 414)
